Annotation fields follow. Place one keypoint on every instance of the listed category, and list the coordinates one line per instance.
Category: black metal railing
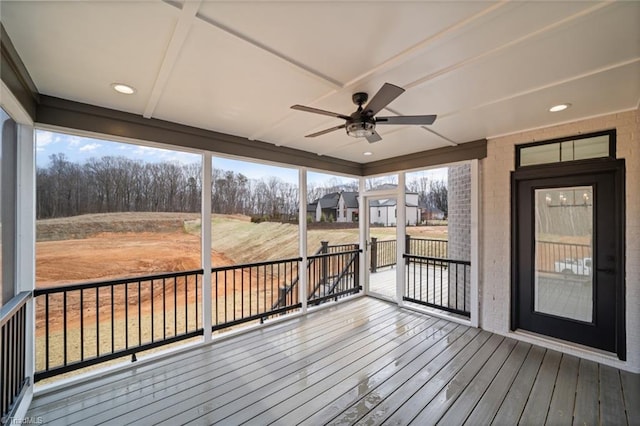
(336, 248)
(438, 283)
(255, 291)
(80, 325)
(13, 378)
(562, 257)
(325, 248)
(383, 253)
(331, 276)
(427, 247)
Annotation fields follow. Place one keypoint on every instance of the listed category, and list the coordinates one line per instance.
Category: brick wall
(495, 233)
(459, 233)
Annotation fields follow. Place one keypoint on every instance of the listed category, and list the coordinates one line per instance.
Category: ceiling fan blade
(320, 111)
(384, 97)
(322, 132)
(407, 119)
(375, 137)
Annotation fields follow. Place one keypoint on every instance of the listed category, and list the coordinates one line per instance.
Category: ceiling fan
(362, 123)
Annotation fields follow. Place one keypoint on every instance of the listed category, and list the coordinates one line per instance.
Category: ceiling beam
(180, 34)
(507, 45)
(390, 63)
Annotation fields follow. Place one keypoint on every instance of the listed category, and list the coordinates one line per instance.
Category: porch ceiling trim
(75, 115)
(15, 75)
(446, 155)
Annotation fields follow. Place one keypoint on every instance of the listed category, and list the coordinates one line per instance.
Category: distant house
(348, 207)
(431, 213)
(343, 206)
(385, 212)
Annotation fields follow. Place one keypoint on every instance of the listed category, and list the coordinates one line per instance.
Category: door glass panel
(382, 246)
(563, 252)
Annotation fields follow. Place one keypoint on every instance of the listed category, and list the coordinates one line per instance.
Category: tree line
(118, 184)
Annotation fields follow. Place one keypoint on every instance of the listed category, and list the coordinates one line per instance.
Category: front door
(568, 258)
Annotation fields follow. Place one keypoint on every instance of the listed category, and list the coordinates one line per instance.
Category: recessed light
(367, 153)
(125, 89)
(560, 107)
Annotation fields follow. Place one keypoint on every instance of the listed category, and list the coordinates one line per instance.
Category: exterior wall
(459, 201)
(350, 213)
(495, 232)
(459, 231)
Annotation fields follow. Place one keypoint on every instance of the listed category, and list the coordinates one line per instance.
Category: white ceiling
(485, 68)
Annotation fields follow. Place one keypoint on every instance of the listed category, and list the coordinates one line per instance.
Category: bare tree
(438, 196)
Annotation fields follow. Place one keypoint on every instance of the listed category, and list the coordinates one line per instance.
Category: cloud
(75, 141)
(90, 147)
(43, 139)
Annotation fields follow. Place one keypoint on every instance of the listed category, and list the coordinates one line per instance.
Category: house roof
(236, 68)
(329, 201)
(350, 199)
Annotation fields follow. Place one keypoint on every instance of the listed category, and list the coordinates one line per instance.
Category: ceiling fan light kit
(362, 122)
(361, 129)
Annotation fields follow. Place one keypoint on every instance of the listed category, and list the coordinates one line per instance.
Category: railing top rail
(18, 301)
(342, 245)
(320, 256)
(440, 240)
(437, 259)
(249, 265)
(563, 244)
(98, 284)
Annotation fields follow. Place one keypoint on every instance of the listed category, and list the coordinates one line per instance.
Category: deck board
(611, 402)
(489, 403)
(537, 408)
(194, 366)
(586, 407)
(468, 398)
(361, 362)
(564, 393)
(631, 391)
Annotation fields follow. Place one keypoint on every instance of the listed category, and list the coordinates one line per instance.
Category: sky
(79, 149)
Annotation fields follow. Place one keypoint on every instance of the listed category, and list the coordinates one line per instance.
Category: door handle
(609, 271)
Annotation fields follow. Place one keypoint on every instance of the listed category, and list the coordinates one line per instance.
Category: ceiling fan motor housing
(359, 98)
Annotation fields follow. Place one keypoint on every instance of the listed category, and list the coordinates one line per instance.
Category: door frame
(381, 195)
(585, 167)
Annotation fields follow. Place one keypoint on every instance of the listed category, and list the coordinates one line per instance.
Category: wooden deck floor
(361, 362)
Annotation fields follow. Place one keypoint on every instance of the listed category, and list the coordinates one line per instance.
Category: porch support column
(302, 238)
(25, 274)
(205, 250)
(475, 252)
(363, 217)
(401, 232)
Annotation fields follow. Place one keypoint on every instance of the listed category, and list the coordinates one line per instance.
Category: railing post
(356, 279)
(407, 247)
(374, 254)
(325, 247)
(324, 265)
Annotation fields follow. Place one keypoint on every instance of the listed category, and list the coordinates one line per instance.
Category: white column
(25, 228)
(302, 238)
(475, 255)
(205, 239)
(363, 217)
(401, 231)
